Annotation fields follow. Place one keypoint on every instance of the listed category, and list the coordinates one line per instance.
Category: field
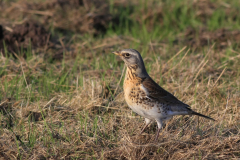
(61, 94)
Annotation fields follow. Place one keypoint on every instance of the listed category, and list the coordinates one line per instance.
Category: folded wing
(162, 96)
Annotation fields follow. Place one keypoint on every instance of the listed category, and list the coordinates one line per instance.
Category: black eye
(127, 55)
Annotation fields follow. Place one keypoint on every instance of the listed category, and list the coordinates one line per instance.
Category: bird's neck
(134, 72)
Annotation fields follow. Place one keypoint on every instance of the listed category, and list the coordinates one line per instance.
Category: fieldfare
(145, 97)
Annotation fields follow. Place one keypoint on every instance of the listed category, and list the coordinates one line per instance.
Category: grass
(74, 109)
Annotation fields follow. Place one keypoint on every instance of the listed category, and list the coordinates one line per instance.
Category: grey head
(133, 60)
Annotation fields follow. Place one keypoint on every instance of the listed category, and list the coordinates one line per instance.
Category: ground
(61, 93)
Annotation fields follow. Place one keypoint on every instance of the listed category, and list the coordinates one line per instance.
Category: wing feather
(162, 96)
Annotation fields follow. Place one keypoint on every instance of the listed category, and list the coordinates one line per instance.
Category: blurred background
(197, 23)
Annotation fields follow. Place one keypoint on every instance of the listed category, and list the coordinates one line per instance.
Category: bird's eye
(127, 55)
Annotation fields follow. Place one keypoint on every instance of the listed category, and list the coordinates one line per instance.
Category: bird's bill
(117, 53)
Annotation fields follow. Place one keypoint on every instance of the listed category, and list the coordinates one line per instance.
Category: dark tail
(201, 115)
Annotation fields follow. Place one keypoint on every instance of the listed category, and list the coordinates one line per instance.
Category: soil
(23, 35)
(81, 16)
(18, 30)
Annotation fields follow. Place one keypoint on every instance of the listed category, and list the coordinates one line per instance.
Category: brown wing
(161, 95)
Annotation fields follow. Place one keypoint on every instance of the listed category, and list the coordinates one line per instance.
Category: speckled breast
(136, 98)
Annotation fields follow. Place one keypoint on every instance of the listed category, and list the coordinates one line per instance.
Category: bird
(145, 97)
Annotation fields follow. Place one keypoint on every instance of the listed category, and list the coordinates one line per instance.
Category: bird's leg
(156, 138)
(148, 121)
(159, 123)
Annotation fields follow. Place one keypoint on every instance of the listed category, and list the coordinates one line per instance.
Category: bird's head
(133, 60)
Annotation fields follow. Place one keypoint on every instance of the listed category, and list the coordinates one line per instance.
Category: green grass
(68, 109)
(175, 17)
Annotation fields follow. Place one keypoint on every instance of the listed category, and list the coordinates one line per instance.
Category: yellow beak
(117, 53)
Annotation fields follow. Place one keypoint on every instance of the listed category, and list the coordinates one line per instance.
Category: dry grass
(72, 107)
(85, 123)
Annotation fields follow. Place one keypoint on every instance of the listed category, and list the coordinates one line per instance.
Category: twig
(216, 81)
(199, 71)
(46, 13)
(176, 55)
(49, 102)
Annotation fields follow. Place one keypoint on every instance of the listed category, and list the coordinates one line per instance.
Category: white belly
(152, 113)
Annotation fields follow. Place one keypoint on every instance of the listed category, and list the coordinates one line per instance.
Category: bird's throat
(132, 73)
